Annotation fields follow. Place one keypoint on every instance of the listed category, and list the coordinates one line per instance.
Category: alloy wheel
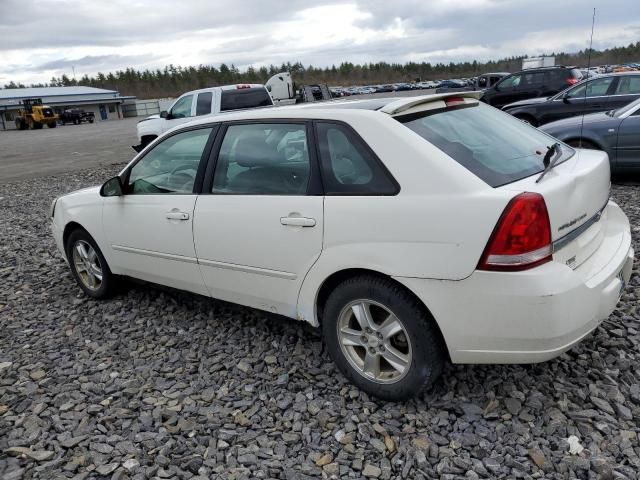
(374, 341)
(87, 265)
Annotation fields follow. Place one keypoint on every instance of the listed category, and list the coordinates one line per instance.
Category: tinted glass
(348, 167)
(203, 103)
(628, 85)
(245, 98)
(489, 143)
(171, 166)
(533, 79)
(182, 108)
(595, 88)
(511, 82)
(263, 159)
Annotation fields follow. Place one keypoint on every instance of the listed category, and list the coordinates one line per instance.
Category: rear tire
(381, 338)
(88, 266)
(582, 143)
(51, 125)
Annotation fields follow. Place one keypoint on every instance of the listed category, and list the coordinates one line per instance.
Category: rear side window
(203, 103)
(348, 166)
(245, 98)
(595, 88)
(494, 146)
(628, 85)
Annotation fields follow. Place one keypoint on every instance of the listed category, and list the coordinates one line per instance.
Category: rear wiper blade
(547, 161)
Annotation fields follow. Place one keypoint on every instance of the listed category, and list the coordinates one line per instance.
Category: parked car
(487, 80)
(76, 116)
(531, 83)
(605, 92)
(413, 230)
(207, 101)
(451, 84)
(617, 132)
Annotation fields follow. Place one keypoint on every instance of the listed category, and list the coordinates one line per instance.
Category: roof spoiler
(406, 103)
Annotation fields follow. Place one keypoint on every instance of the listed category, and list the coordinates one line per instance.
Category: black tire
(583, 143)
(52, 125)
(37, 125)
(107, 286)
(428, 354)
(90, 120)
(527, 119)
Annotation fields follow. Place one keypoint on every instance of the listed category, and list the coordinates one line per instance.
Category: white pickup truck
(207, 101)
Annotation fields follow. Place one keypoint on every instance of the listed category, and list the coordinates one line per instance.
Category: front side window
(510, 82)
(182, 108)
(628, 85)
(494, 146)
(203, 103)
(348, 167)
(171, 166)
(594, 88)
(263, 159)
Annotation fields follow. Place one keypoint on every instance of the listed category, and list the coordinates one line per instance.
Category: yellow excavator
(34, 115)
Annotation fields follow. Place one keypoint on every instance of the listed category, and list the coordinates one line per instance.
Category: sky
(44, 38)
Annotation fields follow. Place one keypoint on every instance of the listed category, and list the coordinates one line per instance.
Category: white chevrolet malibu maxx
(412, 231)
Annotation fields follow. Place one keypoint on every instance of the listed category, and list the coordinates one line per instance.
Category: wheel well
(526, 116)
(584, 140)
(337, 278)
(70, 227)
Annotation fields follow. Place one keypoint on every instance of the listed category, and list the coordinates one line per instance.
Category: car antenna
(586, 84)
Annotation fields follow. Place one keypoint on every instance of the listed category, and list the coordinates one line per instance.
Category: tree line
(174, 80)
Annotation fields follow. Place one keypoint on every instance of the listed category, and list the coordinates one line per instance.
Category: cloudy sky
(44, 38)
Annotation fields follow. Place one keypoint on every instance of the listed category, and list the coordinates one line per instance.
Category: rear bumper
(535, 315)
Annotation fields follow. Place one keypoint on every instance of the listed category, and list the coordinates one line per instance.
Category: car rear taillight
(572, 81)
(522, 237)
(453, 101)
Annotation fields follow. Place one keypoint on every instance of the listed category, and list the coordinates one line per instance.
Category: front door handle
(298, 221)
(176, 215)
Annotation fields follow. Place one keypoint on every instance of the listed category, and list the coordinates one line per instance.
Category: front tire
(381, 338)
(88, 265)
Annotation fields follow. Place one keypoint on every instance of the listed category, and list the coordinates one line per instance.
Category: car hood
(150, 117)
(572, 122)
(83, 192)
(529, 101)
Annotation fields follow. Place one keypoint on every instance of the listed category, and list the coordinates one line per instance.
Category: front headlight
(52, 210)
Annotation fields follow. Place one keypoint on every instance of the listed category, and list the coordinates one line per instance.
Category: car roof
(333, 108)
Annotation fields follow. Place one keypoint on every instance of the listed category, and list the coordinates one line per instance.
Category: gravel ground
(162, 384)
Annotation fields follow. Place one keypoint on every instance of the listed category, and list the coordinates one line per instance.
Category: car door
(506, 91)
(258, 229)
(149, 228)
(628, 145)
(588, 97)
(180, 112)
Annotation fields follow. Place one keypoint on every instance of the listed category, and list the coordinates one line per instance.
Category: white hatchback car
(412, 230)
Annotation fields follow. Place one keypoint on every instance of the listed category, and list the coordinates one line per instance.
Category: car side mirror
(164, 114)
(112, 188)
(566, 98)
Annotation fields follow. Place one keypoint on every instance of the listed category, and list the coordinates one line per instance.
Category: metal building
(105, 104)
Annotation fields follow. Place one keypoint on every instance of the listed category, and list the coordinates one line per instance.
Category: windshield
(491, 144)
(626, 109)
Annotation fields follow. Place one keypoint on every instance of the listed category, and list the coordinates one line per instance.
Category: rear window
(491, 144)
(245, 98)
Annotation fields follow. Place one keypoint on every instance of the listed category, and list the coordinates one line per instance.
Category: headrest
(252, 150)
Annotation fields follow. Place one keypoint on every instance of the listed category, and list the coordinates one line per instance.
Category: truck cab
(207, 101)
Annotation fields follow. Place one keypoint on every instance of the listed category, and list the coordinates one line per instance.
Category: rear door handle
(175, 215)
(298, 221)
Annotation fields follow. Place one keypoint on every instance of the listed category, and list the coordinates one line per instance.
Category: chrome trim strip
(151, 253)
(573, 234)
(247, 269)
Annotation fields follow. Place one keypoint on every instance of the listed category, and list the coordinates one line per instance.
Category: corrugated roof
(39, 92)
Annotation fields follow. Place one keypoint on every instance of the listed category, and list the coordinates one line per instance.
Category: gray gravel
(158, 383)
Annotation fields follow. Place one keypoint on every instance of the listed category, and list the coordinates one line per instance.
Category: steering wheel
(180, 178)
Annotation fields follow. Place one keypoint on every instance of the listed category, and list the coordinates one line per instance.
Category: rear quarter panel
(436, 227)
